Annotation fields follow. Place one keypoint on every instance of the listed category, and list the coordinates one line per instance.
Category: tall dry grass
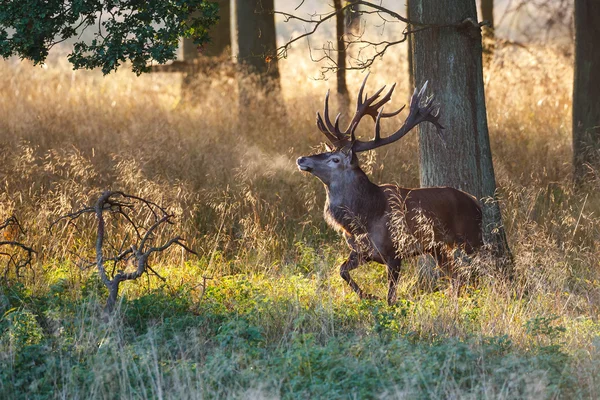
(230, 176)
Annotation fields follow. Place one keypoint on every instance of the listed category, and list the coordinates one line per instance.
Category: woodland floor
(262, 312)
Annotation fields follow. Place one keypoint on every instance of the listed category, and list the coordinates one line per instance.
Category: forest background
(261, 311)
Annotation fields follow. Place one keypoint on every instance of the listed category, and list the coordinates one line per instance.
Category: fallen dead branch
(134, 252)
(18, 254)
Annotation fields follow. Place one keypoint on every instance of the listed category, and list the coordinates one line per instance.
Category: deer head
(329, 166)
(341, 156)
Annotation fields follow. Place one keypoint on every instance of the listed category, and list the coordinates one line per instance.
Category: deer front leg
(354, 261)
(393, 273)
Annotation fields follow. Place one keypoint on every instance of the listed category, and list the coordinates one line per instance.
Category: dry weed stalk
(11, 229)
(122, 205)
(67, 134)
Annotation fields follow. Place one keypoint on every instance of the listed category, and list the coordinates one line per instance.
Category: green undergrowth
(262, 311)
(292, 336)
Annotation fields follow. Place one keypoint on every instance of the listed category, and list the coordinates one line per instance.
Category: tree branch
(140, 250)
(359, 63)
(11, 229)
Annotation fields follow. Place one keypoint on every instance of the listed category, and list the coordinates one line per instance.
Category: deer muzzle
(304, 164)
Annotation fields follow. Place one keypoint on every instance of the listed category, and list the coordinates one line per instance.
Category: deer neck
(352, 202)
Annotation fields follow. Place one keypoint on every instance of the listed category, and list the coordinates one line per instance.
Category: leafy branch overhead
(140, 32)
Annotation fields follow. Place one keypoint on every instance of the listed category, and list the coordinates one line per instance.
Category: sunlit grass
(266, 286)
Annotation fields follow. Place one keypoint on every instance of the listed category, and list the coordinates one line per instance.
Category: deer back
(436, 215)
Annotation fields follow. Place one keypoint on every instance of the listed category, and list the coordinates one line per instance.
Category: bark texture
(220, 35)
(586, 91)
(253, 41)
(487, 14)
(450, 58)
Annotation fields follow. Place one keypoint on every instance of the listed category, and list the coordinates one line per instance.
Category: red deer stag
(369, 215)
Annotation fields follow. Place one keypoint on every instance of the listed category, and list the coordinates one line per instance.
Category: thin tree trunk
(450, 58)
(342, 88)
(113, 293)
(586, 91)
(411, 79)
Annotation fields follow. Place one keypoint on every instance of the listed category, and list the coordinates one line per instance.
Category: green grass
(255, 336)
(262, 312)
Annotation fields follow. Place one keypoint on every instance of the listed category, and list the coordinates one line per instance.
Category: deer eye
(335, 160)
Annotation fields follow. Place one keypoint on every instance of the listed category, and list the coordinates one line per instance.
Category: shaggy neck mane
(352, 202)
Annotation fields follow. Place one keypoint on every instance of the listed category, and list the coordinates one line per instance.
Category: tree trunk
(586, 91)
(409, 45)
(450, 58)
(352, 18)
(487, 14)
(113, 293)
(253, 37)
(253, 47)
(220, 36)
(342, 88)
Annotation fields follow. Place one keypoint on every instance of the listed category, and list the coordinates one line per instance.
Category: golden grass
(65, 136)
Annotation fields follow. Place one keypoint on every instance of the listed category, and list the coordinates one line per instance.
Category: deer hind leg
(354, 261)
(445, 260)
(393, 273)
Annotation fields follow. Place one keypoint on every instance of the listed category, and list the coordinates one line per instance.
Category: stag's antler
(417, 113)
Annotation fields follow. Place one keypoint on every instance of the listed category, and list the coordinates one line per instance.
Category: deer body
(375, 220)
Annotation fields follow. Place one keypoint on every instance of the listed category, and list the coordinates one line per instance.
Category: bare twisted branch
(123, 204)
(350, 40)
(20, 256)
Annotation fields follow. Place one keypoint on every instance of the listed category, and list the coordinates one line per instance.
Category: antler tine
(337, 122)
(429, 111)
(326, 114)
(320, 124)
(380, 115)
(366, 107)
(323, 129)
(417, 113)
(393, 114)
(369, 100)
(384, 100)
(360, 91)
(359, 107)
(331, 131)
(423, 89)
(421, 109)
(433, 116)
(378, 125)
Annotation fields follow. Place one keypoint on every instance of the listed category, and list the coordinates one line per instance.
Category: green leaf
(139, 32)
